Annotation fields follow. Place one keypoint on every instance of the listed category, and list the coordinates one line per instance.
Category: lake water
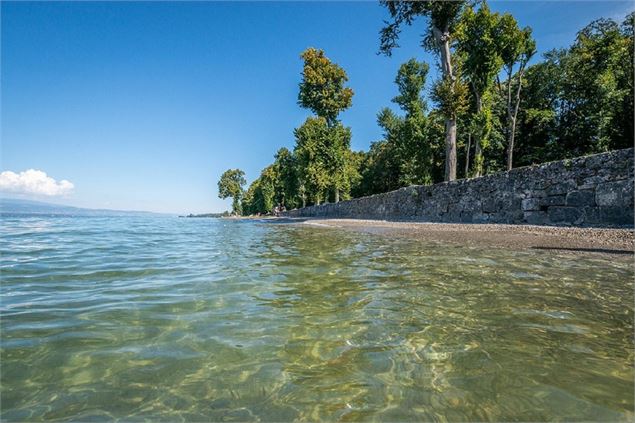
(213, 320)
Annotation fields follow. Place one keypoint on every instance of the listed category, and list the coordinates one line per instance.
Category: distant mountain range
(20, 206)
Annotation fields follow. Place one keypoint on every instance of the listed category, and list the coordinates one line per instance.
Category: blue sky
(142, 106)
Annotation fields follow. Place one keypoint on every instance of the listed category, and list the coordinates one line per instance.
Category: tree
(231, 185)
(625, 80)
(265, 194)
(579, 100)
(537, 122)
(451, 99)
(261, 194)
(381, 167)
(598, 86)
(322, 88)
(479, 44)
(517, 48)
(407, 152)
(379, 170)
(443, 16)
(322, 153)
(413, 144)
(312, 152)
(322, 91)
(286, 168)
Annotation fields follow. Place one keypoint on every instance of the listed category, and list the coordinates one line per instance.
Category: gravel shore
(561, 239)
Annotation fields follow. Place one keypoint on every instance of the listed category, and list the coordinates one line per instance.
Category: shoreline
(611, 241)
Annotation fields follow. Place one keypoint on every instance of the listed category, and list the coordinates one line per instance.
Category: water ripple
(206, 320)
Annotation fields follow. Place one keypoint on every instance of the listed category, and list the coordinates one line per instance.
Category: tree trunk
(512, 121)
(236, 206)
(478, 157)
(337, 195)
(443, 41)
(510, 143)
(467, 154)
(450, 149)
(478, 153)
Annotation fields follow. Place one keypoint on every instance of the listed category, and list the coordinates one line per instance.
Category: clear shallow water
(209, 320)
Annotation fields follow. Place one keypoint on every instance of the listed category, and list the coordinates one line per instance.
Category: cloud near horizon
(34, 182)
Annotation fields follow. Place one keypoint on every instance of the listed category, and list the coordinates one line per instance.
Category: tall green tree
(231, 185)
(262, 194)
(287, 170)
(381, 167)
(579, 100)
(442, 18)
(407, 146)
(323, 91)
(322, 88)
(597, 86)
(537, 123)
(517, 47)
(322, 155)
(479, 44)
(413, 143)
(312, 151)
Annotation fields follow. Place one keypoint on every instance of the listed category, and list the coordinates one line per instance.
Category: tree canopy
(322, 88)
(491, 109)
(231, 185)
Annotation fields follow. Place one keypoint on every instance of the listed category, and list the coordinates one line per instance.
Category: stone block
(627, 194)
(490, 205)
(531, 204)
(585, 198)
(609, 194)
(591, 215)
(481, 218)
(560, 188)
(569, 215)
(555, 200)
(535, 217)
(617, 216)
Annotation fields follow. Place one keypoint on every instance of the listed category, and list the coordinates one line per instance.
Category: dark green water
(207, 320)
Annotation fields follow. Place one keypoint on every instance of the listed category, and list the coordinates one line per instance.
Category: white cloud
(33, 182)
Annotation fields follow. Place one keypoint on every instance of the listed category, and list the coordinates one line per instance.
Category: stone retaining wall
(593, 190)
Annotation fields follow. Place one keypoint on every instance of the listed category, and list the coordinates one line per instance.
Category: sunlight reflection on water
(201, 319)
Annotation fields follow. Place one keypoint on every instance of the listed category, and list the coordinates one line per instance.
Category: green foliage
(480, 45)
(261, 194)
(442, 18)
(580, 100)
(322, 152)
(516, 45)
(287, 188)
(231, 185)
(479, 42)
(409, 134)
(322, 144)
(410, 80)
(379, 170)
(322, 88)
(597, 84)
(441, 15)
(408, 154)
(575, 101)
(450, 95)
(516, 48)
